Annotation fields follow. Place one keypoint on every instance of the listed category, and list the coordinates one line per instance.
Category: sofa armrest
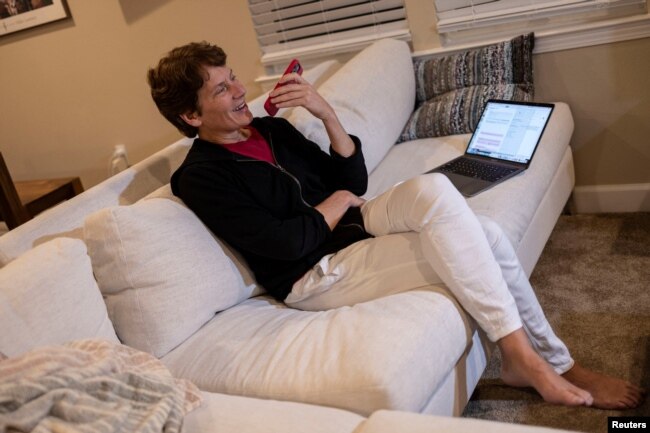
(67, 218)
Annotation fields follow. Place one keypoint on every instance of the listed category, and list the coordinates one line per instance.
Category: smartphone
(294, 66)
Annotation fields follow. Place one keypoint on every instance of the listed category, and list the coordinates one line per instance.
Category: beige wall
(608, 90)
(72, 90)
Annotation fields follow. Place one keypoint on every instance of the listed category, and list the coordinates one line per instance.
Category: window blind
(286, 25)
(467, 15)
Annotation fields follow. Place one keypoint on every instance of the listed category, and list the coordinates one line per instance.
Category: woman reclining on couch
(295, 214)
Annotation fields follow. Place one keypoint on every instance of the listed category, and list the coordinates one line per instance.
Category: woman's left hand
(298, 92)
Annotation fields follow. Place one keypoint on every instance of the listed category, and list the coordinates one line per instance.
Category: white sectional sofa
(176, 292)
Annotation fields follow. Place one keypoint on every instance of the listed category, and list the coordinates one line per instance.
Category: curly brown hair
(176, 80)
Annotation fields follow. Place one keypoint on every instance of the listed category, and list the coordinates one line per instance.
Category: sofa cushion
(234, 256)
(58, 303)
(392, 352)
(234, 414)
(384, 421)
(457, 111)
(365, 105)
(452, 90)
(162, 273)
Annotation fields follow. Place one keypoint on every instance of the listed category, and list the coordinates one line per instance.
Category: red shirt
(254, 146)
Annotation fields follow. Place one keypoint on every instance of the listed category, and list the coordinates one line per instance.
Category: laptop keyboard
(477, 169)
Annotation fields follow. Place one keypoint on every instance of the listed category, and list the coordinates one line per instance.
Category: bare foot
(608, 392)
(522, 366)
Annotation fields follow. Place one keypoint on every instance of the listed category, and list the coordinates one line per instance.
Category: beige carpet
(593, 280)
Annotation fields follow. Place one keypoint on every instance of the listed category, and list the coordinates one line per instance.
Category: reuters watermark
(628, 424)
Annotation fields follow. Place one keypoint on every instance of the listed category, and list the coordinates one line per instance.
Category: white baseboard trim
(633, 197)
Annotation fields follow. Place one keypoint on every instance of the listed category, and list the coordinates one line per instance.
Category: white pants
(426, 234)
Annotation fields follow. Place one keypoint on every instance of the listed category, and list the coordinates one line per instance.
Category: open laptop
(502, 145)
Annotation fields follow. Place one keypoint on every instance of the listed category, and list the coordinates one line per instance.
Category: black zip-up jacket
(266, 211)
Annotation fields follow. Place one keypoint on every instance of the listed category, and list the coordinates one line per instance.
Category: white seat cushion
(392, 352)
(58, 303)
(232, 414)
(393, 421)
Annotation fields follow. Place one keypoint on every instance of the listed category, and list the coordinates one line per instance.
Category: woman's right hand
(334, 207)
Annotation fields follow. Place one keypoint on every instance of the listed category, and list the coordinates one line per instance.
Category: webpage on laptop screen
(509, 131)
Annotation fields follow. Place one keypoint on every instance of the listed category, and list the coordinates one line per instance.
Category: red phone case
(294, 66)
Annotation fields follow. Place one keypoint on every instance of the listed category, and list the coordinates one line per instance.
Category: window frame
(318, 47)
(570, 37)
(589, 26)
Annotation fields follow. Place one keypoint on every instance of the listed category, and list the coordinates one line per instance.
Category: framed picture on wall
(18, 15)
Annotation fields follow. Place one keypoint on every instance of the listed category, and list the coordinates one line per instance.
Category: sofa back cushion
(373, 95)
(162, 273)
(49, 296)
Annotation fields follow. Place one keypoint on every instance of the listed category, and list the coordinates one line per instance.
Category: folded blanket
(91, 386)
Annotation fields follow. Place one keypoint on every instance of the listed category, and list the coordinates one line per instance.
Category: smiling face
(222, 110)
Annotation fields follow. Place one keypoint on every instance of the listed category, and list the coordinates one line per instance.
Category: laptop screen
(510, 130)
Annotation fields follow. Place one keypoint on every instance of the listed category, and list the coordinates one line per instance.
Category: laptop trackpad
(466, 185)
(474, 186)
